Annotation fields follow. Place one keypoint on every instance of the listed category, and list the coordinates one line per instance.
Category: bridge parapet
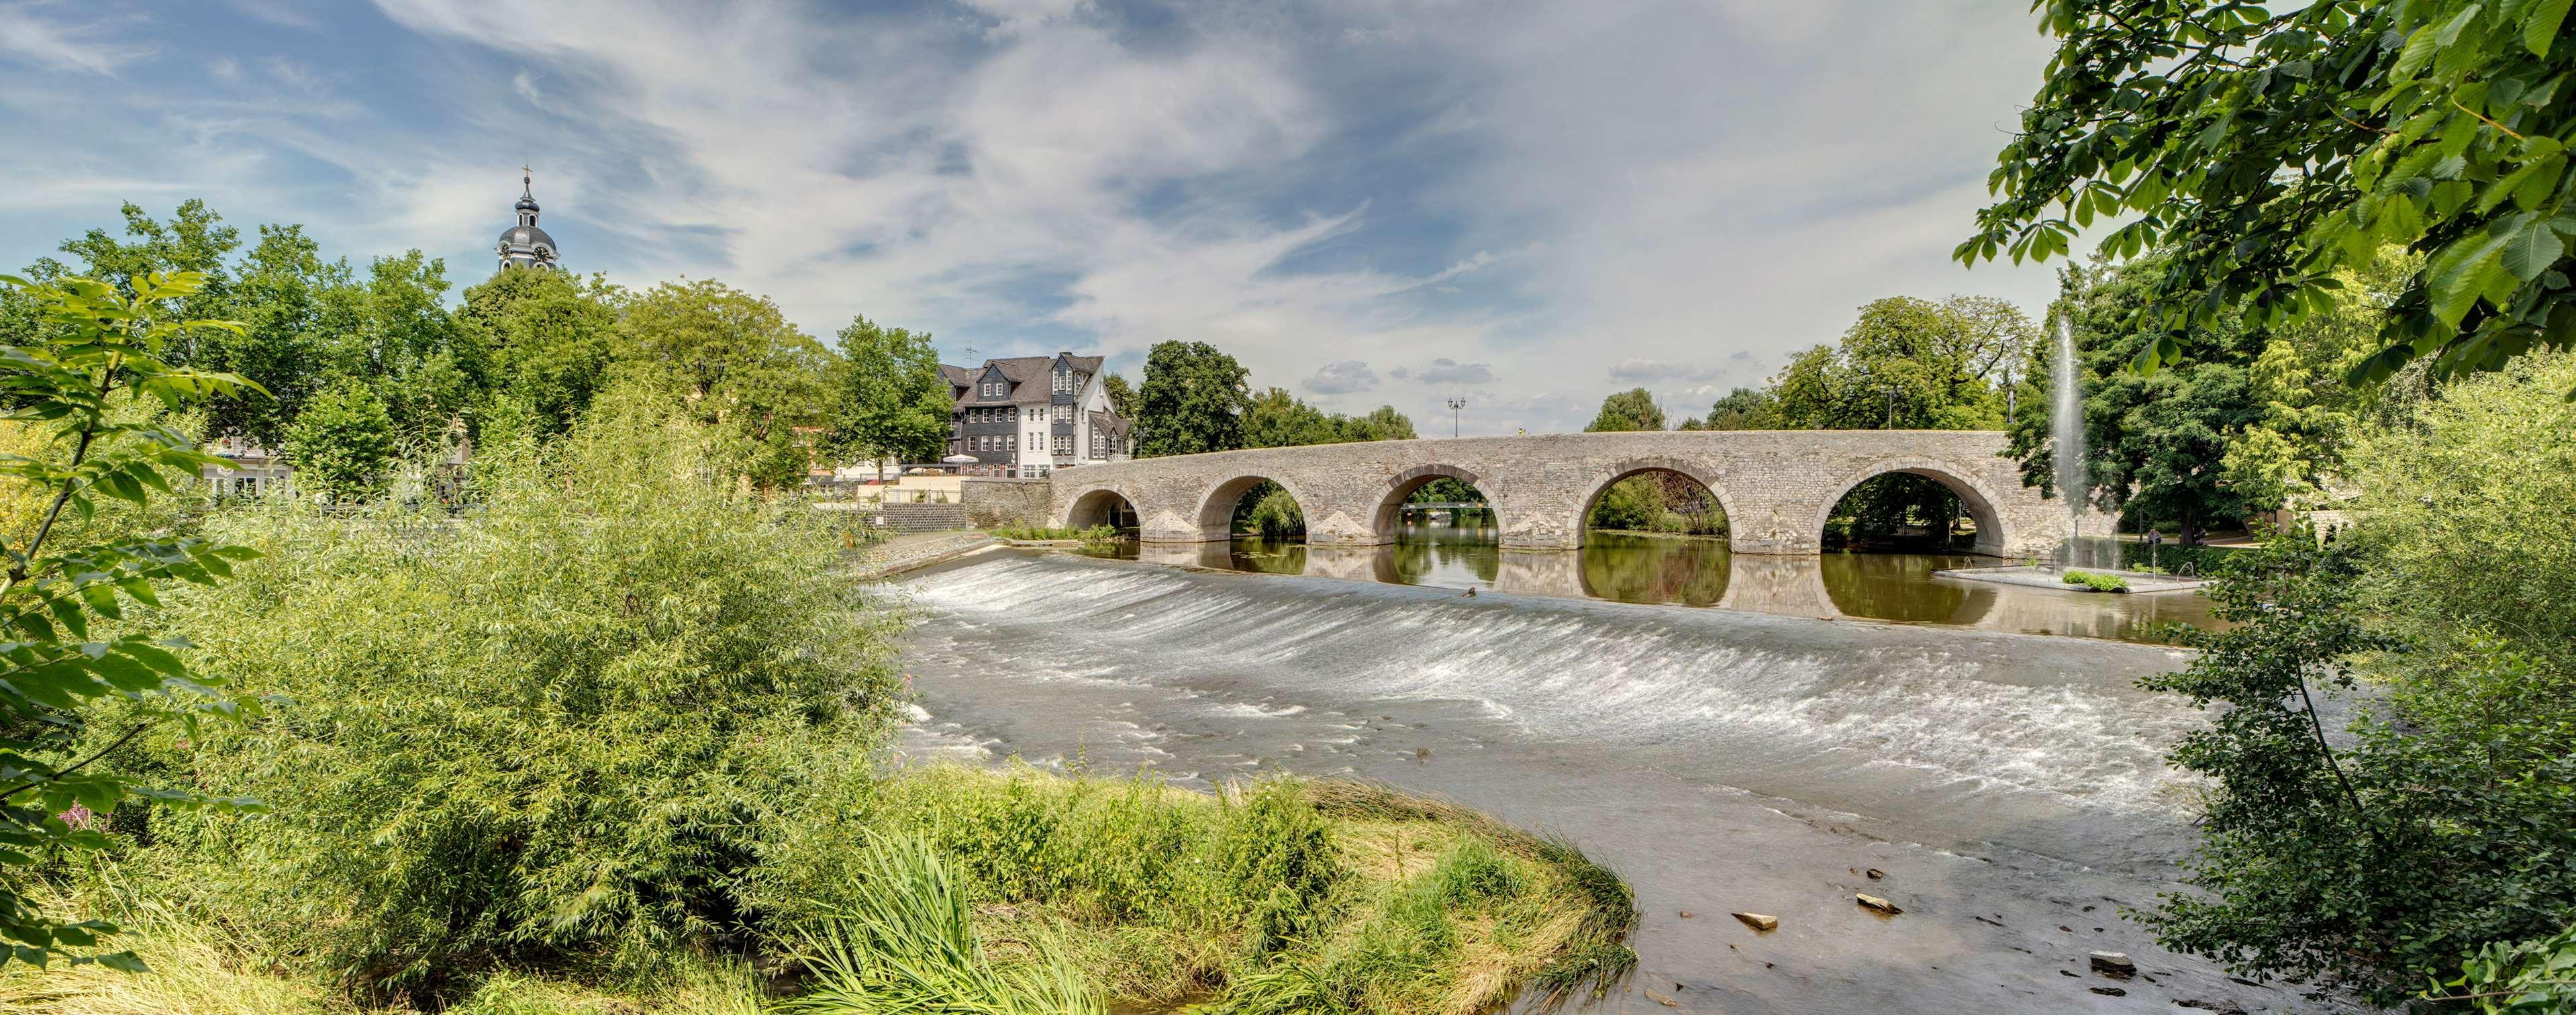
(1776, 486)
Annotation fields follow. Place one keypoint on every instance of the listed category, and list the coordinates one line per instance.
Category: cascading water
(2066, 432)
(2012, 788)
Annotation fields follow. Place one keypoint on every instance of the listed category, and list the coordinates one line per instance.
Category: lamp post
(1456, 405)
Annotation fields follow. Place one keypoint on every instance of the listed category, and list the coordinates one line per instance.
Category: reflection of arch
(1216, 514)
(1633, 466)
(1390, 503)
(1102, 506)
(1973, 495)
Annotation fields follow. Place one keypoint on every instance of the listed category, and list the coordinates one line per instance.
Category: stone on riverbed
(1874, 902)
(1758, 921)
(2113, 964)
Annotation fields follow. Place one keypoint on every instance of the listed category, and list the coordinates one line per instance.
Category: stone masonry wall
(993, 503)
(1775, 485)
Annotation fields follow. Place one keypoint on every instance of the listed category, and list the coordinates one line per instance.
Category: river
(1755, 741)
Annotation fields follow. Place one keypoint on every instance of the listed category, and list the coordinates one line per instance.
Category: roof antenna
(970, 354)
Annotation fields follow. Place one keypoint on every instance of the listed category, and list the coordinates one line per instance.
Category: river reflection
(1890, 587)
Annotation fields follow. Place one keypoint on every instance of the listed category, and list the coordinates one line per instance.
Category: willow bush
(553, 730)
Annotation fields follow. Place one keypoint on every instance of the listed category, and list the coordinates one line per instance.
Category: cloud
(1446, 371)
(1648, 371)
(1301, 183)
(1345, 377)
(93, 48)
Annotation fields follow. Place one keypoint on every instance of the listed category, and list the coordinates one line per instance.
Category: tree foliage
(2155, 444)
(1277, 419)
(1193, 401)
(1633, 409)
(888, 399)
(731, 359)
(2438, 828)
(2264, 154)
(1743, 409)
(74, 658)
(569, 723)
(341, 444)
(547, 340)
(1907, 364)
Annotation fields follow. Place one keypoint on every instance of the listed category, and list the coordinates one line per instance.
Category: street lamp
(1456, 405)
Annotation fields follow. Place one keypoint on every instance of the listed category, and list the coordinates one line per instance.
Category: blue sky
(1367, 201)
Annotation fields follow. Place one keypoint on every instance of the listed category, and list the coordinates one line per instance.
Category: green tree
(888, 398)
(195, 240)
(1906, 364)
(2155, 444)
(1122, 396)
(74, 661)
(426, 366)
(1277, 419)
(731, 359)
(341, 444)
(1743, 409)
(296, 309)
(1633, 409)
(1193, 400)
(2261, 154)
(2389, 858)
(1381, 424)
(547, 340)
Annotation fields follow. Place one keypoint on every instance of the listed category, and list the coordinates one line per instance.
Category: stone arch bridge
(1776, 486)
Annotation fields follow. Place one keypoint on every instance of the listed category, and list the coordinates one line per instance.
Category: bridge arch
(1992, 539)
(1628, 467)
(1103, 505)
(1216, 510)
(1384, 519)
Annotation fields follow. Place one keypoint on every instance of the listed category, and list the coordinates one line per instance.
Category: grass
(1021, 892)
(1353, 897)
(2095, 582)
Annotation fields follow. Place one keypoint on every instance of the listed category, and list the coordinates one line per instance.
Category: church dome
(526, 237)
(524, 245)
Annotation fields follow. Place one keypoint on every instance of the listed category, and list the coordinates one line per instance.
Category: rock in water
(2113, 964)
(1875, 873)
(1874, 902)
(1758, 921)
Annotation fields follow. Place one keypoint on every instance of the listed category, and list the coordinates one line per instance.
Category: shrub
(1277, 516)
(2096, 582)
(560, 726)
(342, 444)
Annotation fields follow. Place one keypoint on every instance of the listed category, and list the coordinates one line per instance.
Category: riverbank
(1326, 894)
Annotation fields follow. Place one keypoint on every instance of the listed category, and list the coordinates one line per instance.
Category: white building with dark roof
(1026, 416)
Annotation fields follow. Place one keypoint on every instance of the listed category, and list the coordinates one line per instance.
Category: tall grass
(1353, 897)
(910, 945)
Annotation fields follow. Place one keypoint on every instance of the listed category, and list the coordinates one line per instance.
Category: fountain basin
(2140, 582)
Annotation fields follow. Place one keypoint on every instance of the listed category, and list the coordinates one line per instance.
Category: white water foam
(1983, 713)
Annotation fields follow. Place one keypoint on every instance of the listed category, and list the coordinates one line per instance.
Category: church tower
(524, 245)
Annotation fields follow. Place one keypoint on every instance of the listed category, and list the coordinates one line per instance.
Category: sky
(1524, 205)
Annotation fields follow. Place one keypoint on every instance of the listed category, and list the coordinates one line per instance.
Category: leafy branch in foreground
(60, 608)
(2267, 152)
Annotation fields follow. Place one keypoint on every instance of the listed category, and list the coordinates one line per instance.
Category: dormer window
(1064, 382)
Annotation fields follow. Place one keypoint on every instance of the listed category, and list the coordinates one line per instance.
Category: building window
(1064, 414)
(1064, 382)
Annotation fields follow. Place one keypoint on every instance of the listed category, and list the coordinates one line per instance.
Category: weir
(1776, 487)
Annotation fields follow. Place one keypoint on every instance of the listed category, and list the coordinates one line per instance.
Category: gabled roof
(1111, 424)
(1031, 377)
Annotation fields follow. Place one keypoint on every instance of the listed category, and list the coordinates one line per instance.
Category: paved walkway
(917, 549)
